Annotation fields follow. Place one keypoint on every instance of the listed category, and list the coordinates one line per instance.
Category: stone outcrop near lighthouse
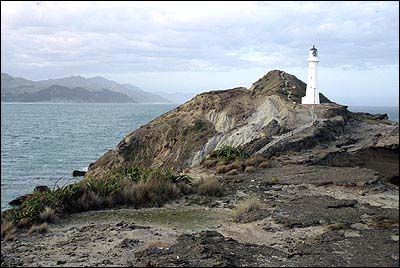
(251, 118)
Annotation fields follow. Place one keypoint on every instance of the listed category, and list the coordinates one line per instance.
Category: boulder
(19, 200)
(41, 188)
(78, 173)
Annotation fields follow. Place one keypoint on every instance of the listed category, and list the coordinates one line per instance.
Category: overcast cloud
(198, 46)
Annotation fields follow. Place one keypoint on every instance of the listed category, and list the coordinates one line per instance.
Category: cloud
(120, 37)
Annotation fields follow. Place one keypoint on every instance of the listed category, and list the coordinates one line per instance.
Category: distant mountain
(73, 89)
(58, 93)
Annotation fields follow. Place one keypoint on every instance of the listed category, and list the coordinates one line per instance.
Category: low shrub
(227, 154)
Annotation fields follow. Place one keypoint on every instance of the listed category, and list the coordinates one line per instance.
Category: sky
(192, 47)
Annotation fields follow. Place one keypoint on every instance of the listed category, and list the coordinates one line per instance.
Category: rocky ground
(330, 196)
(311, 216)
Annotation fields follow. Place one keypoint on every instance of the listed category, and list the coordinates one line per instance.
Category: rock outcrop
(267, 118)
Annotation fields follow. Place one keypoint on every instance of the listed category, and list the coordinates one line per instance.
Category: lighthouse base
(310, 99)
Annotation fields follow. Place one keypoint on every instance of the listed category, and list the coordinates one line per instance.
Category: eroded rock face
(251, 118)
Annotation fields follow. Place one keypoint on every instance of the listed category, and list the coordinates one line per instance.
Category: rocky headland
(273, 183)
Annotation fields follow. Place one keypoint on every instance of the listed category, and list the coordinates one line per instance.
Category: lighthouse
(312, 94)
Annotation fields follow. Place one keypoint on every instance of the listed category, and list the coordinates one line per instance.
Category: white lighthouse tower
(312, 93)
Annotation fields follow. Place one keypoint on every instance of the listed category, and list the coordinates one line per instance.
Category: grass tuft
(134, 185)
(38, 229)
(246, 206)
(48, 215)
(264, 164)
(250, 169)
(210, 187)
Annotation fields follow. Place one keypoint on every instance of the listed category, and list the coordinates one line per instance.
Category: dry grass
(250, 169)
(152, 192)
(90, 200)
(210, 163)
(221, 169)
(264, 164)
(6, 227)
(24, 223)
(210, 187)
(232, 172)
(8, 231)
(10, 235)
(246, 206)
(39, 229)
(239, 165)
(48, 215)
(255, 160)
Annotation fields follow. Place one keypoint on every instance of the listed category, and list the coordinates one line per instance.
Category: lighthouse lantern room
(312, 93)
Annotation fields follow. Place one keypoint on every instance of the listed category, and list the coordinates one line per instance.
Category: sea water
(42, 144)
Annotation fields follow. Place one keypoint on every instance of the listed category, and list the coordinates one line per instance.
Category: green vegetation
(133, 185)
(225, 155)
(197, 126)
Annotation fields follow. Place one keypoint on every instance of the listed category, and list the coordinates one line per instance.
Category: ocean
(42, 143)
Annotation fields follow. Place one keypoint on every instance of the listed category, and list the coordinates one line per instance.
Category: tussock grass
(210, 187)
(134, 186)
(255, 160)
(210, 163)
(232, 172)
(250, 169)
(246, 206)
(239, 165)
(5, 228)
(10, 234)
(264, 164)
(221, 169)
(48, 215)
(39, 229)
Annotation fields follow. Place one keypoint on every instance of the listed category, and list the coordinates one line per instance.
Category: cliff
(267, 118)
